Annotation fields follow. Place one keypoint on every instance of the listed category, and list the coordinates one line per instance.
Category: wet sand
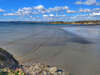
(63, 46)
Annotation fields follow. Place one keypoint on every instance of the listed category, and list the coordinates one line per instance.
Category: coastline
(52, 45)
(10, 66)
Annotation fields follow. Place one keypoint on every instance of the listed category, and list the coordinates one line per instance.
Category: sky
(49, 10)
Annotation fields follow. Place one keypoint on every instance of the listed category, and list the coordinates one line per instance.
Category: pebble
(53, 70)
(42, 69)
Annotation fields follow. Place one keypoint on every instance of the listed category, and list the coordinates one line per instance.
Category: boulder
(7, 60)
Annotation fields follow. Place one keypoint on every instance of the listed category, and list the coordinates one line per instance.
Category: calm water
(11, 31)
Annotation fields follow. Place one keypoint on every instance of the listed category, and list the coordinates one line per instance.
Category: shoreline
(10, 66)
(52, 45)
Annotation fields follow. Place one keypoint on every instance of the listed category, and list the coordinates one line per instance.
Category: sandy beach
(76, 49)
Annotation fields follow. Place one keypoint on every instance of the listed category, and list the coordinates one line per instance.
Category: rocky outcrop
(7, 60)
(11, 66)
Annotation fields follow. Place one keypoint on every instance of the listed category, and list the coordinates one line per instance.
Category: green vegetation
(11, 72)
(54, 22)
(77, 22)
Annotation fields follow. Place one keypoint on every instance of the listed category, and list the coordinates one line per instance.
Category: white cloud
(51, 15)
(61, 15)
(27, 8)
(39, 7)
(79, 11)
(11, 14)
(80, 17)
(54, 16)
(24, 11)
(96, 14)
(28, 11)
(84, 10)
(58, 8)
(45, 15)
(2, 10)
(71, 11)
(88, 2)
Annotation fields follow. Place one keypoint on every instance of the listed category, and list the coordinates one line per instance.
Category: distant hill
(54, 22)
(77, 22)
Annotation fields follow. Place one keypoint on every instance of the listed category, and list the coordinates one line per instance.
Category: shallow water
(86, 32)
(75, 48)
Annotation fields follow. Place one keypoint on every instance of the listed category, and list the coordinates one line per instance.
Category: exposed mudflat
(76, 48)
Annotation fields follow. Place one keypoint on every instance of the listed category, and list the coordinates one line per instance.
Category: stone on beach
(42, 69)
(52, 70)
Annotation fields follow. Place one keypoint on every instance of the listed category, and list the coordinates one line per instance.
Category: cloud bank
(88, 2)
(57, 13)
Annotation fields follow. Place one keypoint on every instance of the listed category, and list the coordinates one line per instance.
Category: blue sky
(49, 10)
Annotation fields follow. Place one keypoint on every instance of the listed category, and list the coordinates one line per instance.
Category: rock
(60, 72)
(7, 60)
(53, 70)
(42, 69)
